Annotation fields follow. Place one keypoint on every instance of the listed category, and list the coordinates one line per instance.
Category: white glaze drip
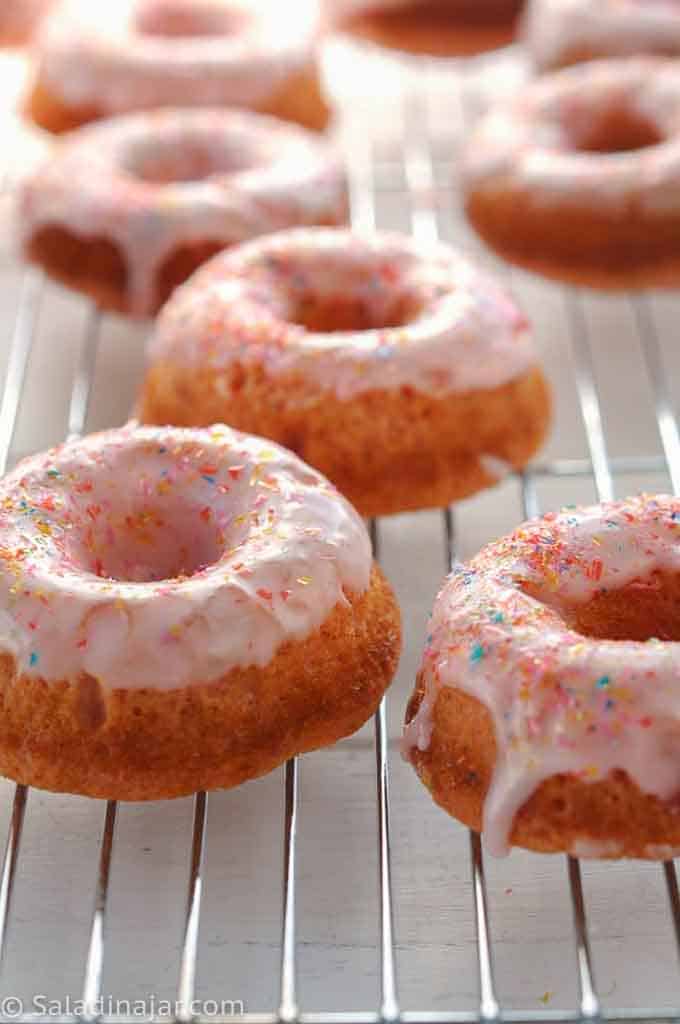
(561, 702)
(255, 175)
(165, 557)
(465, 332)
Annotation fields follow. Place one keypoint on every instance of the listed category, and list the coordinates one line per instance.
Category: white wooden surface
(636, 961)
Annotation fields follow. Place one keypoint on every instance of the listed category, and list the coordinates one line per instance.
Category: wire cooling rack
(413, 171)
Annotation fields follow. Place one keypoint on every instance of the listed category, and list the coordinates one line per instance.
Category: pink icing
(165, 557)
(553, 28)
(151, 182)
(466, 332)
(531, 143)
(560, 702)
(121, 56)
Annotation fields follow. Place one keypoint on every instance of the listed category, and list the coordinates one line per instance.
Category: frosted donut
(99, 59)
(181, 610)
(400, 371)
(578, 176)
(159, 193)
(562, 32)
(443, 28)
(547, 709)
(19, 19)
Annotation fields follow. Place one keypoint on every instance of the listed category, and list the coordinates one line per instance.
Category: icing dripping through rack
(420, 193)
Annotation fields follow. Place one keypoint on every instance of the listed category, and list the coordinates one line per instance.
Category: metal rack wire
(418, 167)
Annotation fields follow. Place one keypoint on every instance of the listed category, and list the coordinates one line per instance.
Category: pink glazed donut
(577, 175)
(402, 371)
(159, 193)
(99, 59)
(181, 610)
(562, 32)
(547, 709)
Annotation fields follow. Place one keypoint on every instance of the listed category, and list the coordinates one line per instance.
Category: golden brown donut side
(611, 817)
(589, 246)
(143, 744)
(97, 267)
(386, 451)
(435, 29)
(12, 38)
(300, 99)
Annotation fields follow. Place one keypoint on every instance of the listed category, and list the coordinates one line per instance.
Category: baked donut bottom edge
(299, 99)
(386, 451)
(580, 245)
(79, 737)
(434, 33)
(610, 818)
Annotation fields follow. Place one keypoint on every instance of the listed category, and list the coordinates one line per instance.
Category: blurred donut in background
(160, 192)
(562, 32)
(440, 28)
(577, 176)
(97, 60)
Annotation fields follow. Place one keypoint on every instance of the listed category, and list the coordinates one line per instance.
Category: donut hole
(325, 295)
(326, 314)
(617, 130)
(173, 160)
(642, 610)
(150, 544)
(186, 19)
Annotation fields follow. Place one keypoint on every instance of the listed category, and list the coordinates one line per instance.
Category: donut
(439, 28)
(181, 610)
(399, 370)
(547, 709)
(562, 32)
(19, 19)
(578, 176)
(96, 60)
(158, 193)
